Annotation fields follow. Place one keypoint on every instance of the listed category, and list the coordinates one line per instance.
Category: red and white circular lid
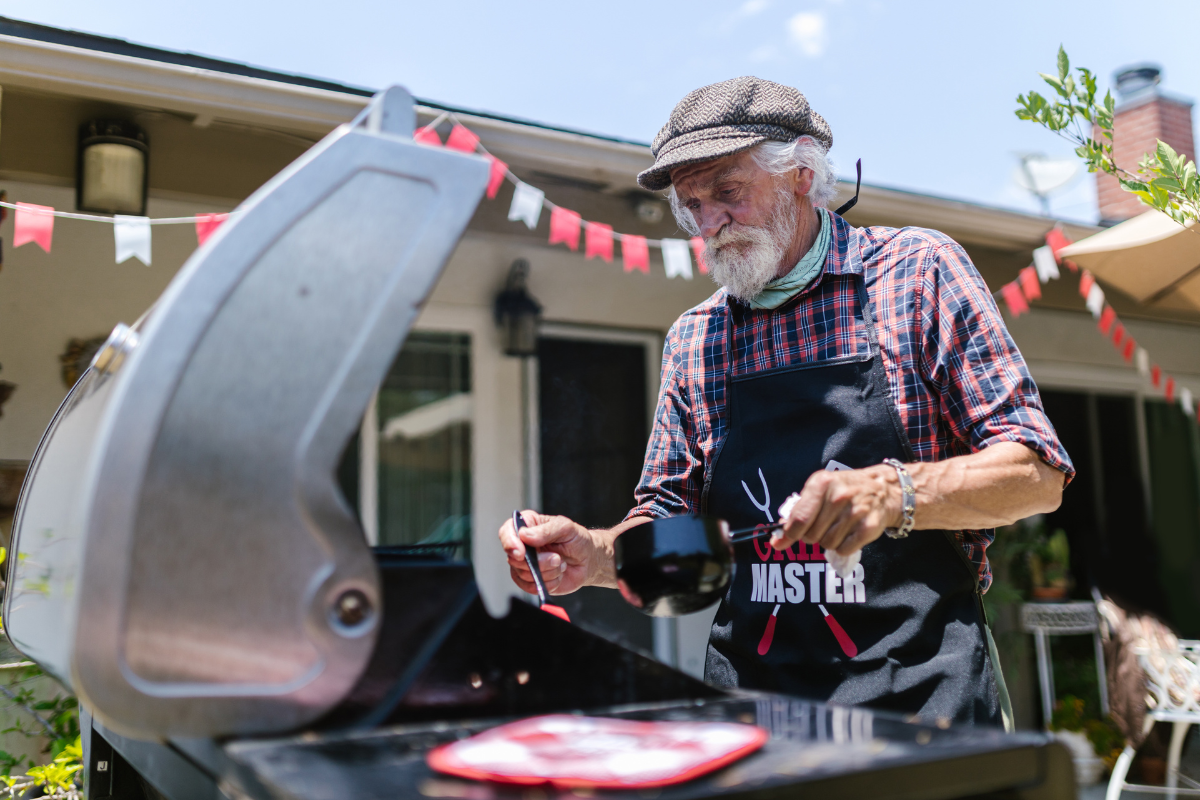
(601, 752)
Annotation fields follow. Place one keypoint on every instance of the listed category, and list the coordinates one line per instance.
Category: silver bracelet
(908, 499)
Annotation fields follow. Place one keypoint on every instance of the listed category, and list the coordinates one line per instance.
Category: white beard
(745, 259)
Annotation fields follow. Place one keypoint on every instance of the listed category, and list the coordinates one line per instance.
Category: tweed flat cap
(728, 117)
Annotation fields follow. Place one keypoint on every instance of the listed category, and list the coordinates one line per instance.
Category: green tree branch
(1165, 180)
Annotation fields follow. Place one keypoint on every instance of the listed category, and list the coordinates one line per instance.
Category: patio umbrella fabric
(1150, 257)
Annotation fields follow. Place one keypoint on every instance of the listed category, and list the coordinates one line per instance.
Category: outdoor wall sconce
(518, 313)
(111, 174)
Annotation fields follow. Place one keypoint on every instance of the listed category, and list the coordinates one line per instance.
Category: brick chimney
(1144, 114)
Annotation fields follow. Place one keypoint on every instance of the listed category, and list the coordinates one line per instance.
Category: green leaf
(1089, 84)
(1166, 154)
(1053, 81)
(1064, 63)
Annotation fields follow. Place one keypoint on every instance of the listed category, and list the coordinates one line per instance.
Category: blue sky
(921, 90)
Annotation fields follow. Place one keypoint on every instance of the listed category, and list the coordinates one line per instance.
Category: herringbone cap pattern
(726, 118)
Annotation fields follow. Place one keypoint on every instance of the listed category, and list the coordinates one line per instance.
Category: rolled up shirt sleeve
(982, 382)
(673, 475)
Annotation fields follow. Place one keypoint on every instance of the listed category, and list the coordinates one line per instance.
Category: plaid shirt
(953, 371)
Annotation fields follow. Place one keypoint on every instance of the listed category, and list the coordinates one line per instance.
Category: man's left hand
(843, 511)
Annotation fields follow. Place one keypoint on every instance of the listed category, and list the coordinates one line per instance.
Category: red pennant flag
(636, 253)
(496, 176)
(1107, 318)
(698, 252)
(1170, 390)
(1155, 375)
(461, 139)
(427, 135)
(564, 227)
(207, 224)
(1030, 284)
(1130, 348)
(1085, 283)
(1057, 241)
(1012, 295)
(1071, 265)
(1118, 335)
(33, 224)
(598, 241)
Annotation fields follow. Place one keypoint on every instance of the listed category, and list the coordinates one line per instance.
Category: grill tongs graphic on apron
(764, 645)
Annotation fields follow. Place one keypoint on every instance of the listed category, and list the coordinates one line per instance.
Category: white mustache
(744, 272)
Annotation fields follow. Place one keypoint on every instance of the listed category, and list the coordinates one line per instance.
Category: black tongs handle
(531, 561)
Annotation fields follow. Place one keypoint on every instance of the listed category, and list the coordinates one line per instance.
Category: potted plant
(1094, 743)
(1050, 568)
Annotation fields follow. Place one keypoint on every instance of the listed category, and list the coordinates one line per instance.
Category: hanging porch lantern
(518, 313)
(111, 173)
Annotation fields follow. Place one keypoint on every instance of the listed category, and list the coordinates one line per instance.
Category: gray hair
(778, 158)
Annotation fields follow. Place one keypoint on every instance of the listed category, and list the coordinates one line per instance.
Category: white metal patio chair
(1172, 695)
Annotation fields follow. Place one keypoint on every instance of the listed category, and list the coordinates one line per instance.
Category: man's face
(747, 216)
(733, 190)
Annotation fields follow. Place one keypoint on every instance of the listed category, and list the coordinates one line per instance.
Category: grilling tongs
(531, 559)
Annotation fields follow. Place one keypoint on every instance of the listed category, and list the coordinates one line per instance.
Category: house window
(421, 432)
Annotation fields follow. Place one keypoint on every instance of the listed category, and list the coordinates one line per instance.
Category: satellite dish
(1042, 176)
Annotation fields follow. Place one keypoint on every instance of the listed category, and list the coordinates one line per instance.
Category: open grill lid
(184, 560)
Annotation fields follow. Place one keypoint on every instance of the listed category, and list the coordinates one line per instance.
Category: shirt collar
(845, 257)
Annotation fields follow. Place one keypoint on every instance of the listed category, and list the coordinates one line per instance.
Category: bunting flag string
(132, 236)
(1019, 293)
(33, 224)
(565, 225)
(636, 252)
(207, 224)
(527, 205)
(598, 241)
(676, 259)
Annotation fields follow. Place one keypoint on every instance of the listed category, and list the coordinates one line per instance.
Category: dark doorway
(592, 404)
(1104, 509)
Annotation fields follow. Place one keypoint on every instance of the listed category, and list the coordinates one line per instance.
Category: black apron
(906, 631)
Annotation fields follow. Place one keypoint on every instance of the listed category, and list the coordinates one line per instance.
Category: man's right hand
(569, 555)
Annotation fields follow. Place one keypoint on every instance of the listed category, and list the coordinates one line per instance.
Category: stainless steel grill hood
(228, 588)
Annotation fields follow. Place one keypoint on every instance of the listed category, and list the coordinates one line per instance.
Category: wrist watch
(908, 500)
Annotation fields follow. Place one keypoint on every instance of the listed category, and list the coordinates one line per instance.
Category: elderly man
(866, 368)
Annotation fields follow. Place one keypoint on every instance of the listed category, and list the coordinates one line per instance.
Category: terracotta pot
(1049, 593)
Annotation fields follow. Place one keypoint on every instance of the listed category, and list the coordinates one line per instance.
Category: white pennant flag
(676, 258)
(133, 238)
(1142, 359)
(1185, 400)
(1095, 300)
(526, 204)
(1044, 263)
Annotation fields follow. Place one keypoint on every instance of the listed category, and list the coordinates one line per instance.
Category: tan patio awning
(1150, 257)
